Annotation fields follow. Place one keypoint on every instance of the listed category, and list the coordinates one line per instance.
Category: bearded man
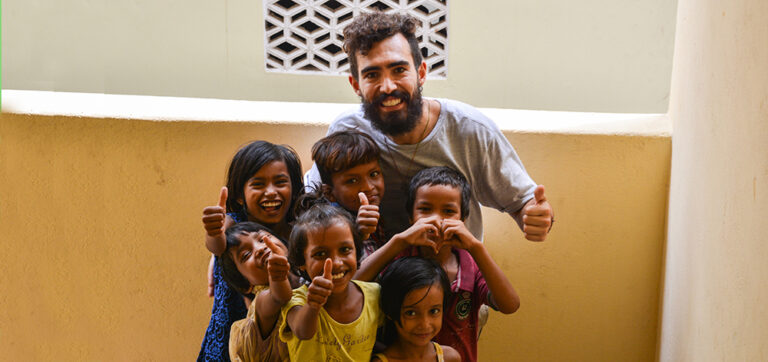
(387, 72)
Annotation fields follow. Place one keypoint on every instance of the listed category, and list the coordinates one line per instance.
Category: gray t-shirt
(463, 139)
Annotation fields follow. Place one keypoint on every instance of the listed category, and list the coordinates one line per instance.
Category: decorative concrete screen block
(305, 36)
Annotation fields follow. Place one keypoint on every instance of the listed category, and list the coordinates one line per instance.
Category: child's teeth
(338, 276)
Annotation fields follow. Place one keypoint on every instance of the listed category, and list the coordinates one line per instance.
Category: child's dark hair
(341, 151)
(228, 266)
(249, 160)
(400, 278)
(439, 176)
(314, 212)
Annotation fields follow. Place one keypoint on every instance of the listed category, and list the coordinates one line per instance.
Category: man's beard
(394, 123)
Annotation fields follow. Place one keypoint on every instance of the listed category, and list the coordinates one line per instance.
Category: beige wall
(715, 292)
(600, 56)
(104, 258)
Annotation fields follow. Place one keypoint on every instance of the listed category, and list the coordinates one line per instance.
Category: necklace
(416, 150)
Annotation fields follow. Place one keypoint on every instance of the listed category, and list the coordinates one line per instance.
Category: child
(437, 204)
(442, 194)
(348, 163)
(264, 181)
(255, 263)
(334, 318)
(414, 293)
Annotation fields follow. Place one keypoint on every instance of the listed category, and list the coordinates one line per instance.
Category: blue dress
(228, 307)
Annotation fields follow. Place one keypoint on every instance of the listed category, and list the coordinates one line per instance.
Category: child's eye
(449, 211)
(409, 313)
(282, 182)
(244, 256)
(319, 255)
(435, 311)
(346, 250)
(375, 173)
(351, 181)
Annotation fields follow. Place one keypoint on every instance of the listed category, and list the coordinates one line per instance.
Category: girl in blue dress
(263, 182)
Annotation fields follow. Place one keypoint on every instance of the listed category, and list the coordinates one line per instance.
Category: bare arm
(303, 319)
(504, 296)
(450, 354)
(269, 301)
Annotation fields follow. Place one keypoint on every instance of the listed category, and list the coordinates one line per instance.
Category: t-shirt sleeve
(506, 186)
(377, 306)
(298, 298)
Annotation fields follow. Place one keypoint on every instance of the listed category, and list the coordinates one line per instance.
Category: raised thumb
(328, 269)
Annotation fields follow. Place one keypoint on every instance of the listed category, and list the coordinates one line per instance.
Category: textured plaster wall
(590, 55)
(716, 272)
(104, 257)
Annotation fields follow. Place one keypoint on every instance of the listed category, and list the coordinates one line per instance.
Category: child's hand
(277, 263)
(424, 232)
(456, 234)
(367, 217)
(321, 287)
(213, 216)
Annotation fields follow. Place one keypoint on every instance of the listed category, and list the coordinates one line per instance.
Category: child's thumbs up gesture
(277, 263)
(537, 216)
(367, 217)
(321, 287)
(213, 216)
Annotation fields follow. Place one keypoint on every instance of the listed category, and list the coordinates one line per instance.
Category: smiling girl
(335, 317)
(413, 297)
(263, 182)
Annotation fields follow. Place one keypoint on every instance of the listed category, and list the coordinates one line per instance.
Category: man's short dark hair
(442, 175)
(370, 28)
(341, 151)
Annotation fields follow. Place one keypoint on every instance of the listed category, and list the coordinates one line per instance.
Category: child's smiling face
(421, 315)
(336, 243)
(365, 178)
(251, 256)
(267, 194)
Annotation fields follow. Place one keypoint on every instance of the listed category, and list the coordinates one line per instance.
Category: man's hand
(214, 216)
(367, 217)
(277, 263)
(321, 287)
(537, 216)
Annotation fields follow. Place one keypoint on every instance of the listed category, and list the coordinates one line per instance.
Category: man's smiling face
(388, 84)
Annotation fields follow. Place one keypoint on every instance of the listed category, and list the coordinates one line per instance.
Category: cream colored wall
(715, 292)
(100, 223)
(600, 56)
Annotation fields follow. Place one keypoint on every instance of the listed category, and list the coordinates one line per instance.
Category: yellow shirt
(246, 343)
(335, 341)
